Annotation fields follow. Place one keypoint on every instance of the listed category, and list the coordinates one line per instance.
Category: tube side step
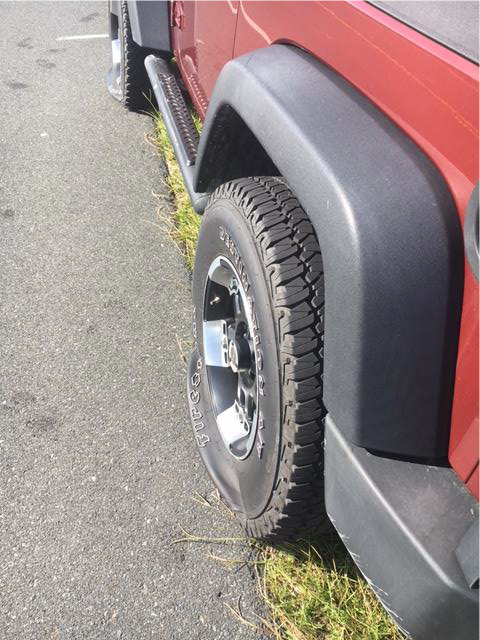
(179, 124)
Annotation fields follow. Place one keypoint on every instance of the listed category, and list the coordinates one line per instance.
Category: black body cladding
(388, 230)
(467, 554)
(407, 525)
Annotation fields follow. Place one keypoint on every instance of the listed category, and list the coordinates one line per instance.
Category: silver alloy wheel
(229, 353)
(114, 77)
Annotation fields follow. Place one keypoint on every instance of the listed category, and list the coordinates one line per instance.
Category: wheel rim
(229, 353)
(115, 73)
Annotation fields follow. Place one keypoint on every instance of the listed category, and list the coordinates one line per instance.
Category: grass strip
(314, 590)
(186, 223)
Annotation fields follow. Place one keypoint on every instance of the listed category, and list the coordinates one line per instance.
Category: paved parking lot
(98, 469)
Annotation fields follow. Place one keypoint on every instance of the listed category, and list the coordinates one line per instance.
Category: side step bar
(179, 124)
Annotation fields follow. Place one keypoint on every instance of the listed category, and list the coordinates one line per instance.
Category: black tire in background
(257, 226)
(127, 79)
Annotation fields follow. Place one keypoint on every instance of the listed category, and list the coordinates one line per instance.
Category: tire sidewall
(247, 485)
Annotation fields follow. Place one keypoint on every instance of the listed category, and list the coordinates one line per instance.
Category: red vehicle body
(400, 70)
(329, 99)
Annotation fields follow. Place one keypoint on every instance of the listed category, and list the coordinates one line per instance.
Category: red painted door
(203, 41)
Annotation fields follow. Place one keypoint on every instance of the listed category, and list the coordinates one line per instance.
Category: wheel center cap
(238, 353)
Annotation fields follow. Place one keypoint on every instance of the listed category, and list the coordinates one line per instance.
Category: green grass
(186, 223)
(313, 590)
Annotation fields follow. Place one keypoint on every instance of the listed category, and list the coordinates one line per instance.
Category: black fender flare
(388, 230)
(150, 23)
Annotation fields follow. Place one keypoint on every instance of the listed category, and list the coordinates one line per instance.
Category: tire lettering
(261, 385)
(194, 324)
(202, 440)
(196, 414)
(259, 359)
(194, 396)
(260, 445)
(196, 379)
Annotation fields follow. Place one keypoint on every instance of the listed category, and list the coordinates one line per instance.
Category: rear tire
(255, 235)
(127, 78)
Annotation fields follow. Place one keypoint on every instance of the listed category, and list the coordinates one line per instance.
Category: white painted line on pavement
(89, 36)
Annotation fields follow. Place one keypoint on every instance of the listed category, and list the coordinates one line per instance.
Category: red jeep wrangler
(334, 372)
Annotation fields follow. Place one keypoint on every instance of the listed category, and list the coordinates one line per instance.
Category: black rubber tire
(134, 81)
(278, 492)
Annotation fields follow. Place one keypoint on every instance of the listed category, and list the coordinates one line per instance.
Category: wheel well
(235, 152)
(389, 232)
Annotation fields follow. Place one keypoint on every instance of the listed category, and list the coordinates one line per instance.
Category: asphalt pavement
(99, 475)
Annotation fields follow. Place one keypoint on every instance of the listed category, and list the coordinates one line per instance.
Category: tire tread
(290, 252)
(135, 79)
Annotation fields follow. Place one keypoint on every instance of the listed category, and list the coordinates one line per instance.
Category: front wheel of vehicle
(255, 373)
